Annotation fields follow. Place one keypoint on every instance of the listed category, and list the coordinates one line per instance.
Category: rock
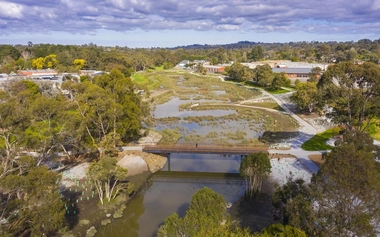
(152, 138)
(91, 232)
(135, 164)
(105, 222)
(154, 162)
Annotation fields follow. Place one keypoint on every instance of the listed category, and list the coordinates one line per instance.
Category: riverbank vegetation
(347, 93)
(41, 124)
(324, 206)
(255, 167)
(208, 216)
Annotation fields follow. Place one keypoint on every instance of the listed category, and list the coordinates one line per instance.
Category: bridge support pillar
(169, 161)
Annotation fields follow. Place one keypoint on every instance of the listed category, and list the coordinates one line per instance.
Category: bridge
(204, 149)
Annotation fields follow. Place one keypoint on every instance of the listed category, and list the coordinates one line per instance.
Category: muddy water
(171, 191)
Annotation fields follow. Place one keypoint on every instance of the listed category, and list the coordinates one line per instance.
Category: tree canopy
(255, 167)
(353, 92)
(342, 199)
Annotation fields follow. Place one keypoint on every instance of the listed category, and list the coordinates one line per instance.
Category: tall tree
(109, 178)
(342, 199)
(346, 192)
(307, 97)
(280, 80)
(263, 75)
(255, 167)
(206, 213)
(32, 203)
(257, 53)
(239, 72)
(353, 91)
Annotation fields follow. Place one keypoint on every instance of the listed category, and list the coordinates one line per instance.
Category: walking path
(307, 131)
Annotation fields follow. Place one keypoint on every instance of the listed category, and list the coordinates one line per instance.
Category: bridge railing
(207, 148)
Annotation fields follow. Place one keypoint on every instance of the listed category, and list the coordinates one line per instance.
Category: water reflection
(169, 192)
(203, 163)
(171, 109)
(129, 225)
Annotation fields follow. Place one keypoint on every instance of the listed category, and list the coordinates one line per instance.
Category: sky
(170, 23)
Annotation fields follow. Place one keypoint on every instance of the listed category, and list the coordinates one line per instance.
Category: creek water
(171, 191)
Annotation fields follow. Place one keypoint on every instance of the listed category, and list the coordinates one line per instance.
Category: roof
(292, 70)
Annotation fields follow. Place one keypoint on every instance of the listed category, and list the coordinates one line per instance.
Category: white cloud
(11, 10)
(221, 15)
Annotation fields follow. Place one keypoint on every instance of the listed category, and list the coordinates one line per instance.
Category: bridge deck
(207, 149)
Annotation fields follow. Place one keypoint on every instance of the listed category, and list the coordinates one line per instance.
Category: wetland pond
(170, 190)
(217, 122)
(203, 111)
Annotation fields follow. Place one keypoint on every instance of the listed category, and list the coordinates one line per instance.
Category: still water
(171, 191)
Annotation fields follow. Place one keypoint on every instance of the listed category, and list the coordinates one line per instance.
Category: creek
(171, 191)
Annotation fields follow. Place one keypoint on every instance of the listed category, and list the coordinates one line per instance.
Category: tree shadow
(276, 137)
(70, 198)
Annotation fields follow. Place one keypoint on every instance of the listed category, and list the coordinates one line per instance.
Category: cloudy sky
(167, 23)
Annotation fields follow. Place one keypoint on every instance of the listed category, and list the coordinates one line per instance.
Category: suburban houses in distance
(294, 70)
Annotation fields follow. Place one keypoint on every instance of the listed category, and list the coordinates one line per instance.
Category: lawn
(374, 129)
(276, 91)
(140, 78)
(318, 142)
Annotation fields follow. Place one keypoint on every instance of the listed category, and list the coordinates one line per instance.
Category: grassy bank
(318, 142)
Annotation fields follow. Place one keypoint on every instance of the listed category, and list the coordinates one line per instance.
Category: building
(90, 73)
(38, 74)
(214, 69)
(183, 64)
(294, 73)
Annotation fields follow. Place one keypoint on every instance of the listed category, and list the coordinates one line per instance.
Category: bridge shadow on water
(209, 163)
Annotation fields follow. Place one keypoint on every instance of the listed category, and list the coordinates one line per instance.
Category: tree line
(71, 58)
(347, 93)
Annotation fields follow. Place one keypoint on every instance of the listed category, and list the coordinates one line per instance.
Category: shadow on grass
(276, 137)
(318, 142)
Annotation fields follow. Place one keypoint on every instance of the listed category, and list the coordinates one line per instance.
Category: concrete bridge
(204, 149)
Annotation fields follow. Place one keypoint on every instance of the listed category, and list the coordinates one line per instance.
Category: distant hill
(238, 45)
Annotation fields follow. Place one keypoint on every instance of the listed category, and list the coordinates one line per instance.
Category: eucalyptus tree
(31, 204)
(239, 72)
(256, 167)
(109, 178)
(353, 92)
(110, 109)
(206, 213)
(308, 97)
(280, 80)
(263, 75)
(257, 53)
(342, 198)
(346, 192)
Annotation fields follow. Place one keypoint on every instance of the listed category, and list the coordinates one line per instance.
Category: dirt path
(157, 93)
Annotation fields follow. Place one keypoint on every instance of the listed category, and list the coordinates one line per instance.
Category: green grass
(318, 142)
(374, 129)
(170, 136)
(140, 78)
(276, 91)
